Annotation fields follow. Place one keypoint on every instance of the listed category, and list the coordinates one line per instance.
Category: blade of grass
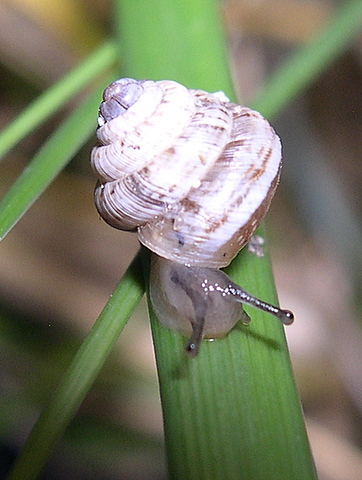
(261, 369)
(233, 411)
(173, 40)
(80, 375)
(302, 68)
(56, 96)
(49, 161)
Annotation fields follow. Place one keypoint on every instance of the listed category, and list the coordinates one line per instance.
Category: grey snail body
(193, 174)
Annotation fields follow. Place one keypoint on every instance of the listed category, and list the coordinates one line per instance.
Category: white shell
(193, 173)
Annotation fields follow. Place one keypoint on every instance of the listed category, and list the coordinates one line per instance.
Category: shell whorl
(193, 173)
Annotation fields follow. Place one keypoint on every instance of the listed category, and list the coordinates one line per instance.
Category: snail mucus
(193, 174)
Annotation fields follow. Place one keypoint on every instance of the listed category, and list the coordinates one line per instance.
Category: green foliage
(233, 411)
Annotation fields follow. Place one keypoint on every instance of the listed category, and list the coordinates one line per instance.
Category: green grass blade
(233, 411)
(302, 68)
(80, 375)
(236, 401)
(55, 97)
(49, 161)
(175, 40)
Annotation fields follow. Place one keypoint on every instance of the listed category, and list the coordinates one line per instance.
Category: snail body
(193, 174)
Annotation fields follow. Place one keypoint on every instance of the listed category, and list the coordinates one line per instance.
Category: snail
(193, 174)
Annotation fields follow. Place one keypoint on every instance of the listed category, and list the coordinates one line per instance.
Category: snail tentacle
(240, 295)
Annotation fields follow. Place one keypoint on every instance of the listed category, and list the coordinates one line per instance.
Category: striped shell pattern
(188, 170)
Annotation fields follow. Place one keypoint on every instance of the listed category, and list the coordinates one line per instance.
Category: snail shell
(193, 174)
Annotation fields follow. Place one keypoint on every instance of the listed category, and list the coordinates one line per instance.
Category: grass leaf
(56, 152)
(80, 375)
(233, 411)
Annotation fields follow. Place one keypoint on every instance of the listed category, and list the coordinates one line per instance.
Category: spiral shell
(191, 172)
